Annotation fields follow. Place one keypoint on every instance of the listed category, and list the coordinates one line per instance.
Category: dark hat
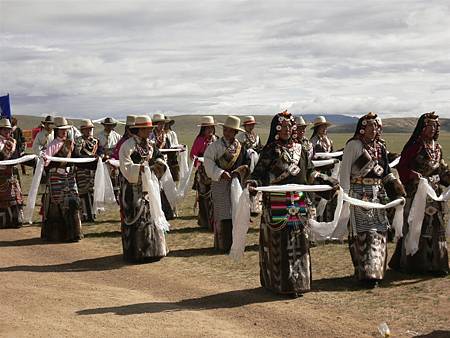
(109, 121)
(48, 119)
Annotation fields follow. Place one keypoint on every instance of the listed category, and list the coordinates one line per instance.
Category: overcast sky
(94, 58)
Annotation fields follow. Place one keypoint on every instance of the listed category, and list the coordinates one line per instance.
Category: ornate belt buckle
(293, 210)
(378, 170)
(294, 169)
(430, 210)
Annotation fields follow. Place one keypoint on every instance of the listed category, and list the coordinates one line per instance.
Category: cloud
(91, 58)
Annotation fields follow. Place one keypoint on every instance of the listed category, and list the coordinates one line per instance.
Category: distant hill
(393, 125)
(188, 123)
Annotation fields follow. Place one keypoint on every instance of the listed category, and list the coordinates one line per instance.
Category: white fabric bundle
(31, 201)
(184, 167)
(322, 163)
(240, 226)
(114, 163)
(254, 158)
(328, 155)
(70, 159)
(417, 214)
(19, 160)
(320, 230)
(169, 187)
(150, 185)
(236, 192)
(103, 188)
(394, 162)
(103, 180)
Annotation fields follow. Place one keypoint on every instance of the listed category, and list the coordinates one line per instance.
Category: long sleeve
(262, 168)
(129, 169)
(351, 151)
(37, 144)
(197, 147)
(404, 166)
(211, 155)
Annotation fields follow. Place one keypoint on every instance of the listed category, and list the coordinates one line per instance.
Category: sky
(98, 58)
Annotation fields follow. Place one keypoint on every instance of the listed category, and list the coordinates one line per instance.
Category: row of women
(285, 233)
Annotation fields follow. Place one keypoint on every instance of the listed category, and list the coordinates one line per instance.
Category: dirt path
(83, 289)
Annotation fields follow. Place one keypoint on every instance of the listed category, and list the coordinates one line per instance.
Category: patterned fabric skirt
(141, 240)
(61, 207)
(85, 184)
(368, 233)
(284, 258)
(432, 256)
(11, 199)
(202, 185)
(223, 227)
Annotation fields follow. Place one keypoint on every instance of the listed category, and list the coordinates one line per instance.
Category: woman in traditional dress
(161, 141)
(301, 137)
(225, 159)
(322, 143)
(61, 204)
(86, 146)
(250, 139)
(422, 158)
(129, 123)
(284, 258)
(202, 183)
(11, 199)
(366, 175)
(142, 240)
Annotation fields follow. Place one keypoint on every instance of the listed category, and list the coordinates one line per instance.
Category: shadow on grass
(435, 334)
(204, 251)
(92, 264)
(391, 279)
(187, 217)
(102, 234)
(22, 242)
(225, 300)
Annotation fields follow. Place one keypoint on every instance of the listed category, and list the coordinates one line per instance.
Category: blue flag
(5, 108)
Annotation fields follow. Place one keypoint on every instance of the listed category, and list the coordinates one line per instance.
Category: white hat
(86, 124)
(300, 121)
(5, 123)
(206, 121)
(143, 121)
(130, 120)
(157, 117)
(61, 123)
(232, 122)
(249, 120)
(320, 120)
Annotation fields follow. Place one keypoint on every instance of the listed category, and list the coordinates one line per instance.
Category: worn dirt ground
(85, 289)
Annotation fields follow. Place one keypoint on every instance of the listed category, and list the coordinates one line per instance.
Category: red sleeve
(404, 168)
(197, 147)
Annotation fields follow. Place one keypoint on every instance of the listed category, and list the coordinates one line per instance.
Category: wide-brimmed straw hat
(232, 122)
(48, 119)
(109, 121)
(206, 121)
(319, 121)
(157, 117)
(249, 120)
(61, 123)
(143, 121)
(5, 123)
(85, 124)
(300, 121)
(131, 119)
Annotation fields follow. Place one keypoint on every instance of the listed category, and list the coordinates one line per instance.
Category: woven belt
(366, 181)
